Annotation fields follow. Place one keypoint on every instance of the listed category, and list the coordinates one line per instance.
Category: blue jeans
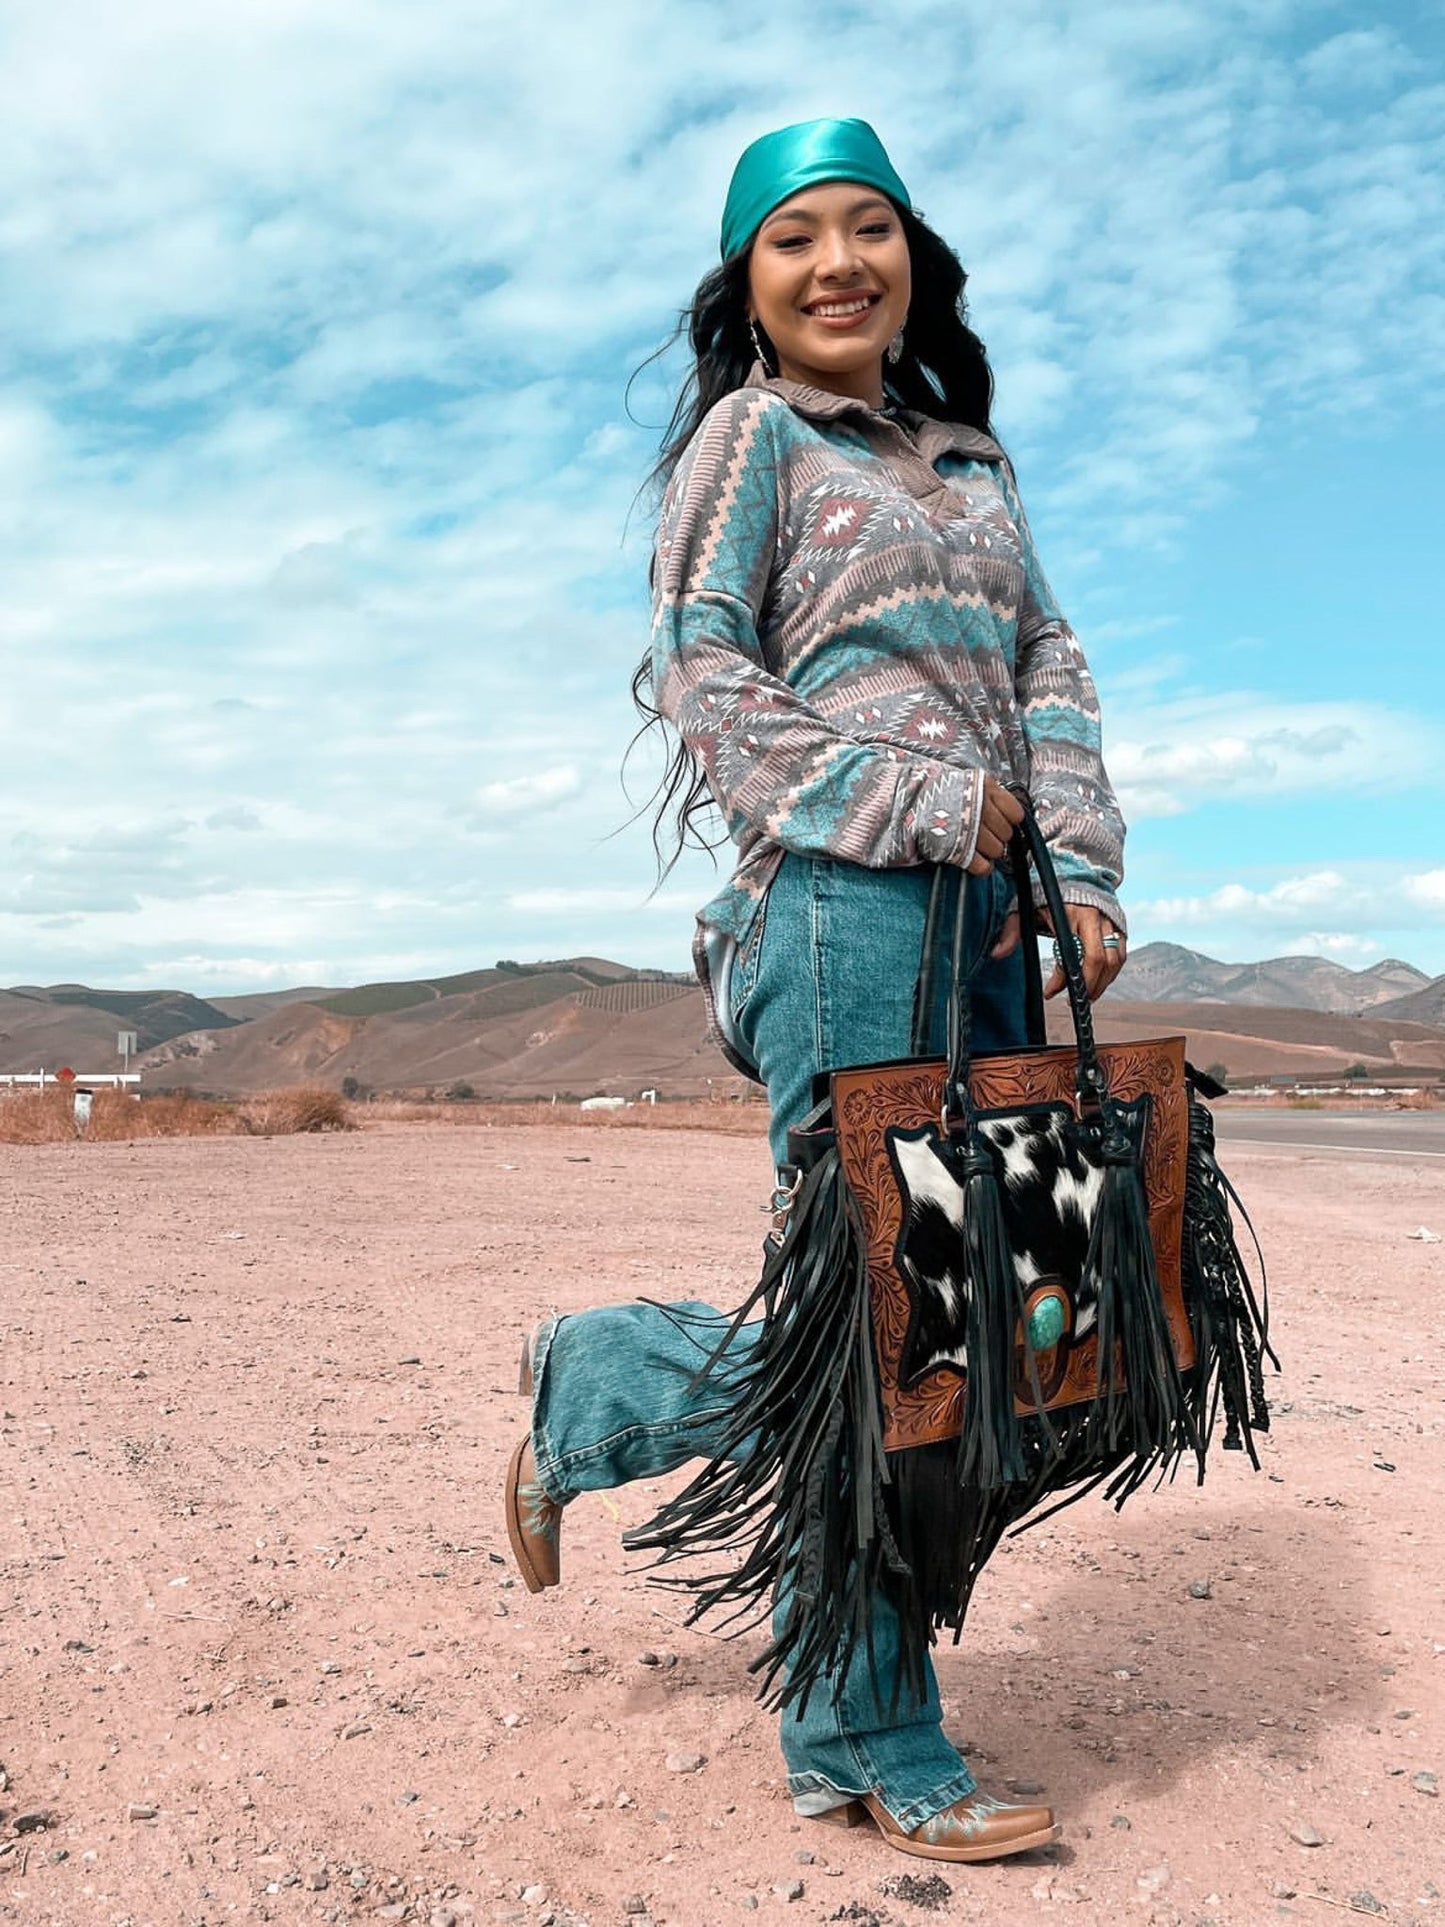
(826, 980)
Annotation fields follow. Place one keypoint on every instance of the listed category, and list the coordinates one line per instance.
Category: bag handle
(1027, 848)
(920, 1033)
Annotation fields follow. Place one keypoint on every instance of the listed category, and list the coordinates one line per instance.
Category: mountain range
(1167, 973)
(582, 1025)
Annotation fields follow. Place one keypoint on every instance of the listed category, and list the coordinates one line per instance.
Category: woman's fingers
(1001, 813)
(1088, 927)
(1008, 937)
(1116, 954)
(997, 819)
(1100, 962)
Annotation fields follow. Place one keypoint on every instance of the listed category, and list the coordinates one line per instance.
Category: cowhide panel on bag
(888, 1134)
(1049, 1174)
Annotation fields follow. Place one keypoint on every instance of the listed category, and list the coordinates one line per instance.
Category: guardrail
(44, 1079)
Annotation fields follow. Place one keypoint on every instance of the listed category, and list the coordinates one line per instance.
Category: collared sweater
(850, 629)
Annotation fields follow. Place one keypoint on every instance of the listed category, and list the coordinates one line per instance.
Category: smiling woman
(830, 283)
(859, 651)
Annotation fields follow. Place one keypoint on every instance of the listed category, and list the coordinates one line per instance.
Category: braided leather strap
(1028, 851)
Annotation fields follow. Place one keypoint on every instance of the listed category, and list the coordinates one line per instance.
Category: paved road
(1384, 1134)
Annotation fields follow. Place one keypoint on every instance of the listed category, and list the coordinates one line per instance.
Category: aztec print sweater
(850, 627)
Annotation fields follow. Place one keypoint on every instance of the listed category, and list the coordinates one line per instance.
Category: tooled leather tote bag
(1000, 1281)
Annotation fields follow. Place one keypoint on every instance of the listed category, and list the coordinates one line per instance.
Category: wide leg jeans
(825, 980)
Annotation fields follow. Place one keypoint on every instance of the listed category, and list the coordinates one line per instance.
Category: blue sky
(322, 582)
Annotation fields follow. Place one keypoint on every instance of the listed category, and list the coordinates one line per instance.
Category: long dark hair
(943, 372)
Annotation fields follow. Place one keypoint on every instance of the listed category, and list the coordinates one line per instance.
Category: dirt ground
(262, 1654)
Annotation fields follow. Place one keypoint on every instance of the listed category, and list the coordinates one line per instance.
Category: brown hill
(1257, 1042)
(1169, 973)
(45, 1027)
(1396, 978)
(37, 1035)
(546, 1036)
(578, 1042)
(584, 1025)
(255, 1003)
(297, 1044)
(1423, 1006)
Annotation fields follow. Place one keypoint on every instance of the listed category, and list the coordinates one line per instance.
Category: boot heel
(851, 1814)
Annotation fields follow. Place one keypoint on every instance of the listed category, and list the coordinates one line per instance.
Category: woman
(858, 648)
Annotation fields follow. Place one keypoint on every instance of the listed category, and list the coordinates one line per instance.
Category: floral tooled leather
(870, 1102)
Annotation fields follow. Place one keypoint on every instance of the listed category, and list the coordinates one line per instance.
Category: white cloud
(236, 973)
(315, 465)
(572, 903)
(1363, 58)
(1349, 907)
(1177, 756)
(528, 795)
(1283, 902)
(1344, 947)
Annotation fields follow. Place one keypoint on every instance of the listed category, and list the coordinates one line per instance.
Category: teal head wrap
(805, 155)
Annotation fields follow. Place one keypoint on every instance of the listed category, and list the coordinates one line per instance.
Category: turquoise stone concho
(1047, 1321)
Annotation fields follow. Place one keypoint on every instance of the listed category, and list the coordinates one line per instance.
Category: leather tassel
(1141, 1413)
(990, 1447)
(803, 1504)
(795, 1504)
(1231, 1327)
(947, 1532)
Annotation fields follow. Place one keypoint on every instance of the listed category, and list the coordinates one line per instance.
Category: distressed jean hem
(816, 1793)
(564, 1475)
(549, 1475)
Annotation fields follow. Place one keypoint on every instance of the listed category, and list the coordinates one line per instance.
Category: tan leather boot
(534, 1522)
(976, 1828)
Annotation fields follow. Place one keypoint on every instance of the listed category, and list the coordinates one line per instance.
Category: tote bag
(999, 1282)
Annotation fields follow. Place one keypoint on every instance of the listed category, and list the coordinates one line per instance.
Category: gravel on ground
(263, 1655)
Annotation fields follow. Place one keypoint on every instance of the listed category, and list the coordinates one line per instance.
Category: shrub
(287, 1112)
(36, 1117)
(177, 1114)
(48, 1117)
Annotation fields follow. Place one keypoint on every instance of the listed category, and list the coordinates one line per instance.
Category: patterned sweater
(850, 627)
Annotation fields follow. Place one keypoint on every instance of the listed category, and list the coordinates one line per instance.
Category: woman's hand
(1102, 961)
(1002, 814)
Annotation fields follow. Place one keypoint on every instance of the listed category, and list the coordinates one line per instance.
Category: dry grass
(1427, 1098)
(48, 1117)
(748, 1119)
(1417, 1101)
(287, 1112)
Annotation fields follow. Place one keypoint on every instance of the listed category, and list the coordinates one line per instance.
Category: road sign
(65, 1074)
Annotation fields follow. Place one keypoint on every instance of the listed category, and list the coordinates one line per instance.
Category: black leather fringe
(1231, 1325)
(990, 1447)
(797, 1486)
(1140, 1415)
(802, 1505)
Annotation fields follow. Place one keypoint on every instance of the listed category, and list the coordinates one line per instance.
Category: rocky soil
(262, 1655)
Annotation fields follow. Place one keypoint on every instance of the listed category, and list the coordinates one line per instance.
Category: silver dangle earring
(895, 349)
(758, 346)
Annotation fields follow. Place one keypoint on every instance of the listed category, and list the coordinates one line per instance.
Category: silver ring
(1110, 943)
